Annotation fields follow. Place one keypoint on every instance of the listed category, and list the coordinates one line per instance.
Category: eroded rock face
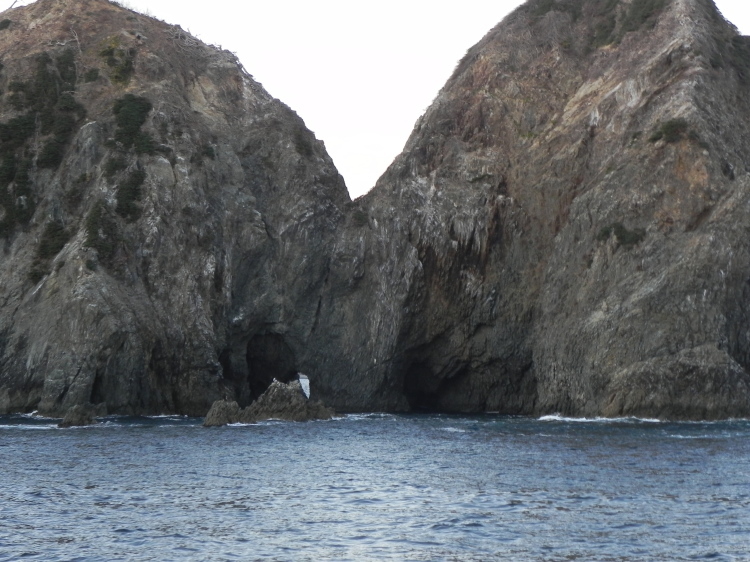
(565, 229)
(158, 222)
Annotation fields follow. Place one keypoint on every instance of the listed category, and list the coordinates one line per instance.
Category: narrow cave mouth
(269, 357)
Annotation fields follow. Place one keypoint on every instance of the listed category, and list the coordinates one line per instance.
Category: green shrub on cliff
(542, 7)
(131, 113)
(360, 218)
(128, 194)
(16, 201)
(120, 61)
(54, 239)
(92, 75)
(113, 165)
(101, 232)
(642, 13)
(671, 131)
(626, 238)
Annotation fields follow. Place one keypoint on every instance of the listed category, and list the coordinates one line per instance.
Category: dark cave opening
(269, 357)
(225, 360)
(446, 390)
(421, 388)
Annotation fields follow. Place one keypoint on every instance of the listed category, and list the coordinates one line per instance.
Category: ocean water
(375, 487)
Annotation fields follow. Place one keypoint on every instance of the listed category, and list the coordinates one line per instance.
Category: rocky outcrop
(285, 402)
(279, 402)
(164, 220)
(222, 412)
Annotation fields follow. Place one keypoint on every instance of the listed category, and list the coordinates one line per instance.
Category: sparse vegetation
(205, 151)
(360, 218)
(101, 232)
(542, 7)
(737, 54)
(303, 142)
(50, 111)
(15, 133)
(114, 165)
(208, 151)
(128, 194)
(66, 66)
(604, 14)
(16, 204)
(130, 114)
(5, 24)
(92, 75)
(641, 13)
(625, 238)
(121, 62)
(671, 131)
(54, 239)
(53, 151)
(25, 206)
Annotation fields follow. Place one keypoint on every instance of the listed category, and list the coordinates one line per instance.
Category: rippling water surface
(375, 487)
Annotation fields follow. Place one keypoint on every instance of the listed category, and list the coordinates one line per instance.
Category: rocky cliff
(158, 209)
(567, 227)
(565, 231)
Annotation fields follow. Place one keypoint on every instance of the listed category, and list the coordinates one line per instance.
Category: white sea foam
(24, 427)
(453, 429)
(35, 416)
(366, 416)
(559, 418)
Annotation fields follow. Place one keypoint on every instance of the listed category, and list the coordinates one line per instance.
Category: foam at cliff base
(559, 418)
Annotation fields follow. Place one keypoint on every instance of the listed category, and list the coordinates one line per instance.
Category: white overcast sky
(358, 73)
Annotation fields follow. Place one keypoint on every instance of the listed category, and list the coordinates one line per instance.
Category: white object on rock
(304, 383)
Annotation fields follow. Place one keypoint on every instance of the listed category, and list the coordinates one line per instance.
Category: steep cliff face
(161, 217)
(566, 229)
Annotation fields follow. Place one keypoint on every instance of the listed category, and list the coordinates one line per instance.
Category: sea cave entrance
(269, 357)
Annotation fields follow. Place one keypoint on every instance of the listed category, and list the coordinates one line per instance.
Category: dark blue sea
(375, 487)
